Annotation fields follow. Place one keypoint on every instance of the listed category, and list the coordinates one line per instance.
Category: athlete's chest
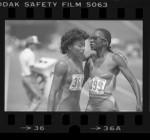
(74, 79)
(105, 70)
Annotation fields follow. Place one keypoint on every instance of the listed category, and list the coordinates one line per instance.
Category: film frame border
(72, 122)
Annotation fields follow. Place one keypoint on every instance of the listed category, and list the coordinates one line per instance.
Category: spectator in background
(27, 60)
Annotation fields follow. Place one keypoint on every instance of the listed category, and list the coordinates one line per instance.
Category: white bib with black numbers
(77, 81)
(97, 85)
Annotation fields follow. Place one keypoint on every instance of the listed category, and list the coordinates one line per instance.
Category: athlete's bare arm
(86, 71)
(59, 71)
(88, 54)
(121, 64)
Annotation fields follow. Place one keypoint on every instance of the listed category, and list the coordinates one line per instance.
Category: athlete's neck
(75, 58)
(101, 52)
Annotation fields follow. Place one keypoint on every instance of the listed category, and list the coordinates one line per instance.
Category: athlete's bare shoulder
(61, 66)
(120, 53)
(119, 59)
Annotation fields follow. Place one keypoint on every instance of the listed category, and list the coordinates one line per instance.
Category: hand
(139, 108)
(93, 53)
(89, 53)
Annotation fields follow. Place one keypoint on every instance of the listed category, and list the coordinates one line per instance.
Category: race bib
(97, 85)
(77, 80)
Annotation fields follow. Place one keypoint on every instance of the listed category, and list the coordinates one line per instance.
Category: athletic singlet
(100, 89)
(75, 79)
(102, 81)
(99, 86)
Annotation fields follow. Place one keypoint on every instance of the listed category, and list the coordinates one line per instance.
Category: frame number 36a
(112, 128)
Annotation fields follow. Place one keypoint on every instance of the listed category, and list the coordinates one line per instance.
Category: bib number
(97, 85)
(77, 80)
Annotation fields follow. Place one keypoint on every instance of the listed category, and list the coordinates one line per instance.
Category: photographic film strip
(25, 100)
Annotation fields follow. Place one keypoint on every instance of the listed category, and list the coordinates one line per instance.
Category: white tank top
(27, 59)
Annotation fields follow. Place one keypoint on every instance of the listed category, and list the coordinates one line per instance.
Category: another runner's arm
(88, 54)
(86, 72)
(130, 77)
(59, 71)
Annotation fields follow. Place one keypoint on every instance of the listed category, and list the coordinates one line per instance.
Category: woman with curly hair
(68, 73)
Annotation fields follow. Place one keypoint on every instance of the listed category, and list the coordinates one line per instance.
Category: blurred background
(126, 36)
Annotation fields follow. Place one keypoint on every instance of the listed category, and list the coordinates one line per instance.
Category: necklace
(76, 66)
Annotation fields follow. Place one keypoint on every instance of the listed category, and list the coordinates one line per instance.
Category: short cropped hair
(107, 36)
(70, 37)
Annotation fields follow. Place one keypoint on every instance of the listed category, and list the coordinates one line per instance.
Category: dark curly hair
(70, 37)
(107, 35)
